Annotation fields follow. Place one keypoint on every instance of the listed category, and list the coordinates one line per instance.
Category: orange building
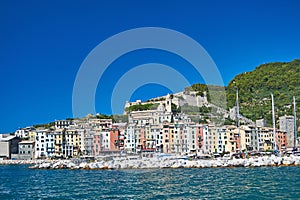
(116, 140)
(281, 140)
(199, 139)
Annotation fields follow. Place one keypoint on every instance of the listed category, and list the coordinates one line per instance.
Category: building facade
(286, 123)
(26, 150)
(44, 144)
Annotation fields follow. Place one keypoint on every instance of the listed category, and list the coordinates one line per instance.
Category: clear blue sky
(43, 43)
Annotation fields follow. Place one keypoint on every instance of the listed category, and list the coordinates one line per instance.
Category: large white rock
(83, 165)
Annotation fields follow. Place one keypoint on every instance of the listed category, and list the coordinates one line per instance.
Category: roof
(26, 142)
(5, 139)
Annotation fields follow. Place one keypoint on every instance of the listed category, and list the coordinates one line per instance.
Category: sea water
(19, 182)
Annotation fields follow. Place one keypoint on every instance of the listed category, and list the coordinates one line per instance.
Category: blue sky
(43, 43)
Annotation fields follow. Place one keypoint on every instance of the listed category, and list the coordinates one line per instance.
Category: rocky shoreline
(22, 162)
(157, 163)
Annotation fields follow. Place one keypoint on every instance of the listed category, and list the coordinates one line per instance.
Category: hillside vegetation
(255, 88)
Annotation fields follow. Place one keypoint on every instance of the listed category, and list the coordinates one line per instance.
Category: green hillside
(255, 88)
(280, 78)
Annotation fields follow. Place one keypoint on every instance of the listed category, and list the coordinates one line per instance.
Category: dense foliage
(255, 88)
(140, 107)
(49, 125)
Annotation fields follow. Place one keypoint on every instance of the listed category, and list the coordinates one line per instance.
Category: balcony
(57, 143)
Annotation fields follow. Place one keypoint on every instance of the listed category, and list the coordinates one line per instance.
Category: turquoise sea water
(19, 182)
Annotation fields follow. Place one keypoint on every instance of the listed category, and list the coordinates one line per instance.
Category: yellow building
(268, 145)
(215, 139)
(32, 135)
(59, 138)
(67, 143)
(166, 138)
(229, 143)
(73, 143)
(265, 139)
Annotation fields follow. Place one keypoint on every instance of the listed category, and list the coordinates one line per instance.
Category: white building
(129, 142)
(207, 140)
(60, 124)
(100, 123)
(23, 132)
(105, 143)
(44, 144)
(158, 116)
(185, 139)
(261, 123)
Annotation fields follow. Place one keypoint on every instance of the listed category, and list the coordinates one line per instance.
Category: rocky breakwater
(23, 162)
(169, 162)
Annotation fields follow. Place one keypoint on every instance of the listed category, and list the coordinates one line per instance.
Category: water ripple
(19, 182)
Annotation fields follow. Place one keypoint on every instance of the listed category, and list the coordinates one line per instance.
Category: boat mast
(238, 117)
(274, 125)
(295, 124)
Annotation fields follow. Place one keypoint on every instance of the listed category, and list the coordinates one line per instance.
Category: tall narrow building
(286, 123)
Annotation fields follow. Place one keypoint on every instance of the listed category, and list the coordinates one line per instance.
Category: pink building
(97, 148)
